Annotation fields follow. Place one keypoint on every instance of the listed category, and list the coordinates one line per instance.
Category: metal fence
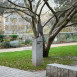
(61, 37)
(66, 37)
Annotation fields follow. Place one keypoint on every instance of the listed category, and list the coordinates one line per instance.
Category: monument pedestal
(37, 51)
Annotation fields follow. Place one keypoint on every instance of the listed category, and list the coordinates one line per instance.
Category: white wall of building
(9, 25)
(19, 24)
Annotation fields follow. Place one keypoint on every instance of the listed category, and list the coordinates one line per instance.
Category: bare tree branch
(9, 12)
(23, 7)
(9, 15)
(37, 5)
(16, 9)
(51, 10)
(74, 23)
(45, 12)
(41, 9)
(31, 7)
(16, 4)
(65, 23)
(65, 18)
(48, 21)
(25, 18)
(26, 4)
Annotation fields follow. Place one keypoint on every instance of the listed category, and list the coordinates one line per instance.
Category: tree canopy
(63, 4)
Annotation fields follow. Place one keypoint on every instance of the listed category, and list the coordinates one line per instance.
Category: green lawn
(22, 59)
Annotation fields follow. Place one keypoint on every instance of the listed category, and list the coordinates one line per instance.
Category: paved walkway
(30, 47)
(12, 72)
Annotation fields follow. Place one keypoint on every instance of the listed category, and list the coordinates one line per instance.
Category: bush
(14, 43)
(7, 40)
(67, 35)
(5, 44)
(14, 37)
(74, 38)
(0, 44)
(1, 37)
(28, 41)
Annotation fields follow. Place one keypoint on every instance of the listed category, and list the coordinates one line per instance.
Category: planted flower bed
(13, 41)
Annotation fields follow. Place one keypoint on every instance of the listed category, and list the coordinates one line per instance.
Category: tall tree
(63, 4)
(31, 11)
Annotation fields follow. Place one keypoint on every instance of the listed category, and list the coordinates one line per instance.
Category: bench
(59, 70)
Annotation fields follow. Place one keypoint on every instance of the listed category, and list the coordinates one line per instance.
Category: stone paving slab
(30, 47)
(12, 72)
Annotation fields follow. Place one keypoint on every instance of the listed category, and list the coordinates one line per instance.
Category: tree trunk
(47, 48)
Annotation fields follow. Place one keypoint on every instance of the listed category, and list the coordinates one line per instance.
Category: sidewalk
(30, 47)
(12, 72)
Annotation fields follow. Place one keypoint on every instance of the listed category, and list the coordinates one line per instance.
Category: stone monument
(37, 51)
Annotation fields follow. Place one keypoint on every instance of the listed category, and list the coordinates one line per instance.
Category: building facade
(13, 23)
(1, 20)
(2, 24)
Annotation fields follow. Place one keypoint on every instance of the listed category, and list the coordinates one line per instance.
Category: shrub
(14, 43)
(14, 37)
(1, 37)
(7, 40)
(0, 44)
(67, 35)
(5, 44)
(74, 38)
(28, 41)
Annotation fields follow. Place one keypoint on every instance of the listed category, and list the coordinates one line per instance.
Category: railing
(61, 37)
